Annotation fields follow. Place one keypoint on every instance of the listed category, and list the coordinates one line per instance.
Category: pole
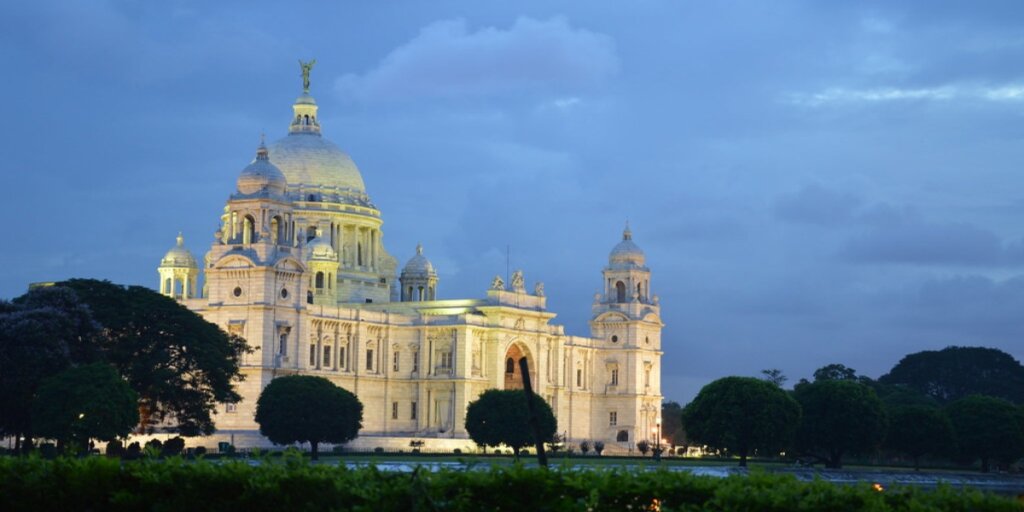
(542, 457)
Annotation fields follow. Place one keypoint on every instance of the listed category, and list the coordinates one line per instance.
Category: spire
(261, 152)
(627, 234)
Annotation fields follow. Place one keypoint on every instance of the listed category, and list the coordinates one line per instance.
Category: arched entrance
(510, 367)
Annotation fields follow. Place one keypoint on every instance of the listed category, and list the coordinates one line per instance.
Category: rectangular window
(312, 355)
(412, 411)
(283, 348)
(341, 358)
(613, 418)
(369, 359)
(327, 357)
(446, 360)
(579, 378)
(396, 357)
(394, 410)
(647, 377)
(615, 377)
(230, 408)
(415, 362)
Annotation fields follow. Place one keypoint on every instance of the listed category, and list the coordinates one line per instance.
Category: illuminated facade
(298, 268)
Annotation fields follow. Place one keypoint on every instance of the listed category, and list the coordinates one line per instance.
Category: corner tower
(179, 273)
(626, 322)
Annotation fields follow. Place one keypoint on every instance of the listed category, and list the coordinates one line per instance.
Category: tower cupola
(418, 279)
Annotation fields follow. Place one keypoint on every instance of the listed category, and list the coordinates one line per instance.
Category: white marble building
(300, 270)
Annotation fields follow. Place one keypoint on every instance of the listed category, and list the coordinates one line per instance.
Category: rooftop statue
(306, 68)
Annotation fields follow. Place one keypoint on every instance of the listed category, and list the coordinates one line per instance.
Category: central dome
(308, 159)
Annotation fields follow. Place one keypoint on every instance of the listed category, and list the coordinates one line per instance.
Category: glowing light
(655, 505)
(81, 415)
(878, 487)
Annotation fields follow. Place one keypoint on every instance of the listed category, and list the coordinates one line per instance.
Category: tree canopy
(180, 365)
(957, 372)
(987, 428)
(41, 333)
(501, 417)
(742, 415)
(308, 409)
(840, 417)
(672, 423)
(90, 401)
(918, 430)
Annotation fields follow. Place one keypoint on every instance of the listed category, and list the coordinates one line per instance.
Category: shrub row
(108, 484)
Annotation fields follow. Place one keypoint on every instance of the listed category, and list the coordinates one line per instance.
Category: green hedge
(292, 485)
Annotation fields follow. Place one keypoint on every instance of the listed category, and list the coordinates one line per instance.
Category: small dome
(419, 265)
(320, 249)
(179, 256)
(626, 252)
(261, 174)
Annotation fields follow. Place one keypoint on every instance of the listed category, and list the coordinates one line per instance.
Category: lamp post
(657, 439)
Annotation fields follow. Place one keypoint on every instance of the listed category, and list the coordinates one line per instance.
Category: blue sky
(812, 182)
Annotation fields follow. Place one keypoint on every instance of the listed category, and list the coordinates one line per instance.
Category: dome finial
(181, 240)
(261, 151)
(627, 234)
(419, 248)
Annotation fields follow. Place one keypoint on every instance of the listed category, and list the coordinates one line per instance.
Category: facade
(299, 269)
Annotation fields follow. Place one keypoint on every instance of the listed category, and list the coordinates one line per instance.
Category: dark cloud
(912, 240)
(815, 204)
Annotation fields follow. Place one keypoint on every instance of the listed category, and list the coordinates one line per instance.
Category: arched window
(359, 254)
(419, 293)
(510, 365)
(248, 230)
(309, 297)
(319, 280)
(310, 233)
(305, 119)
(167, 286)
(409, 296)
(276, 230)
(622, 436)
(620, 292)
(639, 291)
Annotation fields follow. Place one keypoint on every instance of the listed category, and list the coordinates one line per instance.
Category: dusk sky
(812, 182)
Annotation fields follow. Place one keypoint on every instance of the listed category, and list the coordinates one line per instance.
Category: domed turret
(179, 272)
(418, 279)
(262, 175)
(319, 249)
(178, 256)
(626, 252)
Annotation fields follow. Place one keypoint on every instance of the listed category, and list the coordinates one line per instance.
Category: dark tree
(672, 423)
(956, 372)
(987, 428)
(307, 409)
(775, 376)
(835, 371)
(840, 417)
(501, 417)
(180, 364)
(742, 415)
(39, 335)
(643, 446)
(83, 403)
(918, 430)
(598, 447)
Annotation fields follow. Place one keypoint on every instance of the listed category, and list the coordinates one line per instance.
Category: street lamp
(657, 439)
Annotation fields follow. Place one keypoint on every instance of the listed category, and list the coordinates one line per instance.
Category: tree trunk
(743, 458)
(313, 446)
